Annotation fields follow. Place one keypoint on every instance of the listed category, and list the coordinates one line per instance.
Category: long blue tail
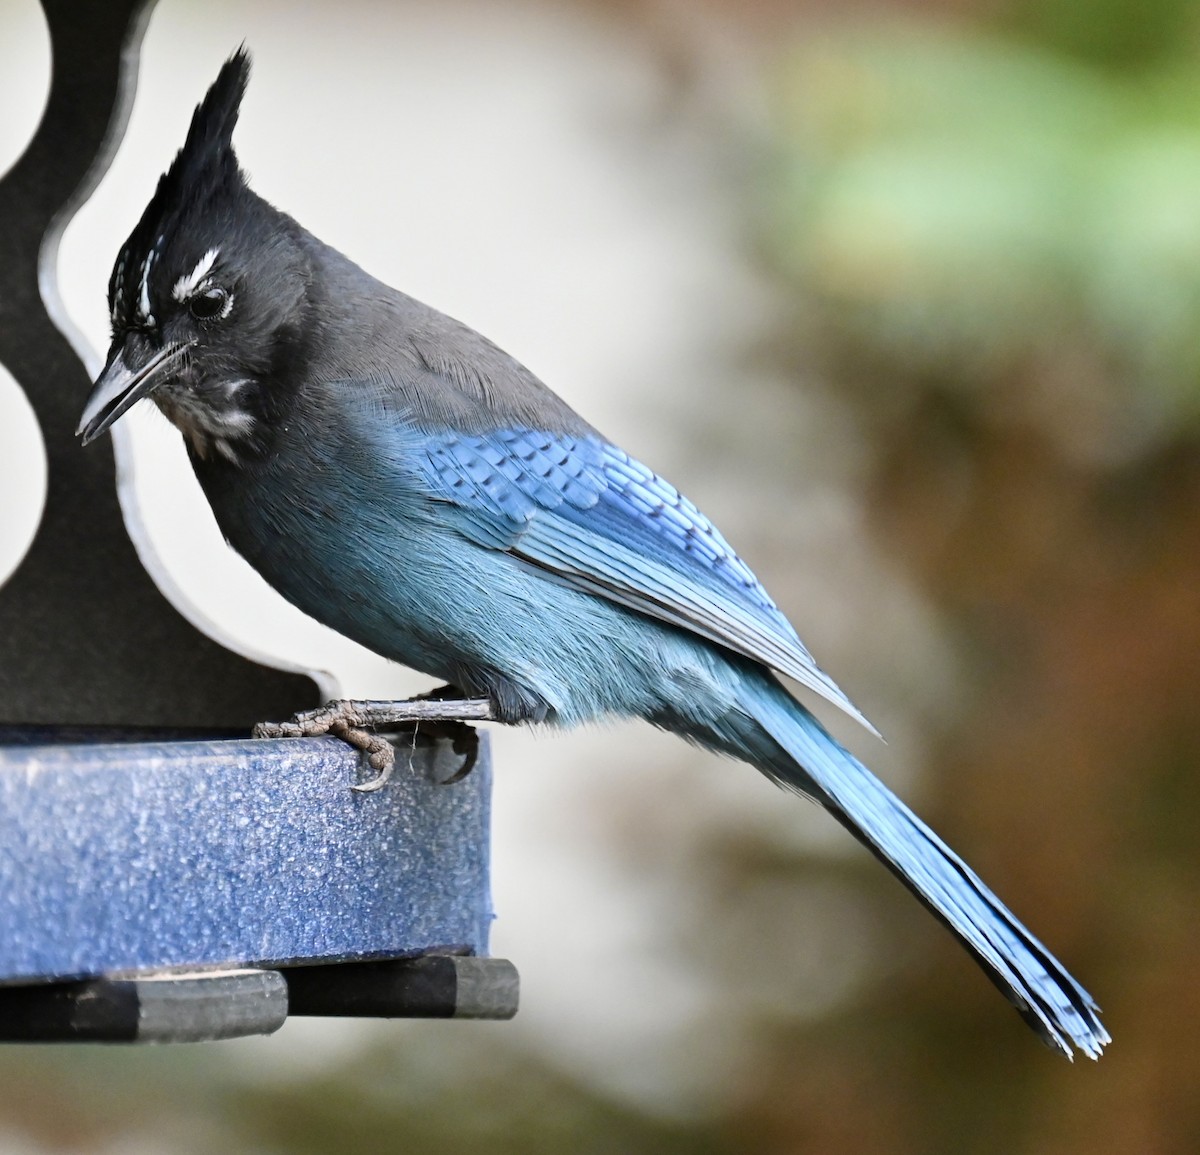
(811, 762)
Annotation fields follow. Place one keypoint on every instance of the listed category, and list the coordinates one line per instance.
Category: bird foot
(464, 741)
(350, 719)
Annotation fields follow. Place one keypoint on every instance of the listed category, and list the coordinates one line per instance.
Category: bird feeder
(164, 877)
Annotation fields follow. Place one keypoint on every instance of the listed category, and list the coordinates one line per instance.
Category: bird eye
(210, 305)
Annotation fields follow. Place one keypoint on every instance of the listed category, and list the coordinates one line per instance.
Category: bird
(403, 480)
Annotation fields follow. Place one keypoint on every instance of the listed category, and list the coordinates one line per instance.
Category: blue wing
(588, 514)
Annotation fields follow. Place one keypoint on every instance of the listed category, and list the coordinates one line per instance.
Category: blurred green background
(974, 228)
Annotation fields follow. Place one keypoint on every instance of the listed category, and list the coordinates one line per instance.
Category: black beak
(119, 388)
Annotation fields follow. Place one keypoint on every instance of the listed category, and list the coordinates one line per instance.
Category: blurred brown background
(907, 296)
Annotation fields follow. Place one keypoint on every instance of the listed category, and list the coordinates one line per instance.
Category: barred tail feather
(1033, 980)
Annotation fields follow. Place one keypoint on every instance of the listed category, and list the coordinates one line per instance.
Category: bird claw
(464, 741)
(309, 723)
(344, 721)
(348, 720)
(381, 756)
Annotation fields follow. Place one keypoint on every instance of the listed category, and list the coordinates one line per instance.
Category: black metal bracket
(86, 637)
(200, 1007)
(158, 883)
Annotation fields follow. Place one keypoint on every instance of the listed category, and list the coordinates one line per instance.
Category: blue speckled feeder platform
(118, 858)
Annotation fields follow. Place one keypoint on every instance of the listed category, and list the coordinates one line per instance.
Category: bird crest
(204, 169)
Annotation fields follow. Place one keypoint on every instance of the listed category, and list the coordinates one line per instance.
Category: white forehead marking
(144, 299)
(185, 286)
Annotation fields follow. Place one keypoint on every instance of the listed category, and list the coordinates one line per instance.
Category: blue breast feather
(587, 513)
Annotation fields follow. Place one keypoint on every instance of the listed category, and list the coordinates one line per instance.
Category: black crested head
(204, 173)
(209, 295)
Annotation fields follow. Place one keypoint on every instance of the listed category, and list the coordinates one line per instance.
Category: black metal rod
(169, 1008)
(201, 1006)
(431, 987)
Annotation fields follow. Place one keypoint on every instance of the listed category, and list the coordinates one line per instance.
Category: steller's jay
(401, 479)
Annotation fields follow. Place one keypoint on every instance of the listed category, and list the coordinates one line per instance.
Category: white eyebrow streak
(184, 287)
(144, 299)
